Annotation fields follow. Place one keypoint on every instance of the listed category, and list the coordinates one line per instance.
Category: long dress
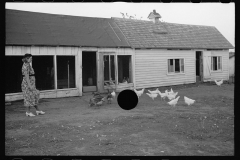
(31, 97)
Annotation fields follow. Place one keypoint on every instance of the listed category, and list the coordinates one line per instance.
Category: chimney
(154, 16)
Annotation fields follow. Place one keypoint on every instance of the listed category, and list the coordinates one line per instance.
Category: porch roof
(32, 28)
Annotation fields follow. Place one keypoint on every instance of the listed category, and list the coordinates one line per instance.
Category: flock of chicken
(169, 94)
(98, 100)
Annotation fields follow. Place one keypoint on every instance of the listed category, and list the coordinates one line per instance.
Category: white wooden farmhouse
(73, 55)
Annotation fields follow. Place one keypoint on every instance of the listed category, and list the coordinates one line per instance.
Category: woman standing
(30, 93)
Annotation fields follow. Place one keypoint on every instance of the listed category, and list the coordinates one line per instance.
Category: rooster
(219, 83)
(153, 95)
(139, 93)
(188, 101)
(174, 101)
(155, 91)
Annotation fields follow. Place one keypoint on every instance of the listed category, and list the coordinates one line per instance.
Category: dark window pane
(65, 72)
(177, 65)
(13, 74)
(112, 67)
(214, 63)
(106, 67)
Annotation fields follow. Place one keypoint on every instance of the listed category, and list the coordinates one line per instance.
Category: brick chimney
(154, 16)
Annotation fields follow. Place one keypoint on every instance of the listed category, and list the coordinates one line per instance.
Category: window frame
(115, 67)
(176, 73)
(221, 64)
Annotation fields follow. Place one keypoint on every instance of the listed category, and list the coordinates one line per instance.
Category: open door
(89, 74)
(206, 66)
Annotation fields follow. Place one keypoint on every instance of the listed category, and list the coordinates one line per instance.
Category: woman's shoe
(40, 112)
(30, 114)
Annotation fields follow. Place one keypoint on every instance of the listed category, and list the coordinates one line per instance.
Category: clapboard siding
(151, 68)
(224, 74)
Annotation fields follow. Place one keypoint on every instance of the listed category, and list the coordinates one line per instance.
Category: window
(124, 69)
(175, 65)
(43, 74)
(65, 72)
(216, 63)
(109, 69)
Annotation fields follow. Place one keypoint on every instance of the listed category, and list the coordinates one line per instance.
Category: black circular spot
(127, 99)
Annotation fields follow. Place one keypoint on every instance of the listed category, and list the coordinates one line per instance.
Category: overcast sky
(222, 16)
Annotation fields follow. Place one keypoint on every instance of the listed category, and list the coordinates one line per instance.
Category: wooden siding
(232, 66)
(46, 50)
(151, 68)
(224, 74)
(77, 51)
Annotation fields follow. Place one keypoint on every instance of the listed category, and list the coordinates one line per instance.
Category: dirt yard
(153, 128)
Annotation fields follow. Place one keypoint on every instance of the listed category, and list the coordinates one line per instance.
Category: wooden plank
(51, 50)
(35, 50)
(8, 50)
(67, 93)
(43, 51)
(25, 49)
(17, 50)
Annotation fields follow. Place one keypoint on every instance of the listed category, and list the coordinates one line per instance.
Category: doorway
(199, 66)
(89, 75)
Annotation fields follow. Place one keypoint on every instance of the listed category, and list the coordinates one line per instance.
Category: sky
(220, 15)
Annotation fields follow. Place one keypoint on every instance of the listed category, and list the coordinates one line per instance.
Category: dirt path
(153, 128)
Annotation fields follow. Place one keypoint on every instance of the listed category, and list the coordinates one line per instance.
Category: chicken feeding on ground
(139, 93)
(163, 95)
(153, 95)
(188, 101)
(219, 83)
(110, 97)
(174, 101)
(172, 96)
(100, 102)
(154, 92)
(96, 98)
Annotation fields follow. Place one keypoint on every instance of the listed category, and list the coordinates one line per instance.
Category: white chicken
(188, 101)
(219, 83)
(113, 94)
(171, 92)
(172, 96)
(174, 101)
(163, 95)
(139, 93)
(153, 95)
(154, 92)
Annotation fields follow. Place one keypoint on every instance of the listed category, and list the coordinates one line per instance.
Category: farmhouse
(73, 55)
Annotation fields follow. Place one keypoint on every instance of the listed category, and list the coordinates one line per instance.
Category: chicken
(155, 91)
(219, 83)
(96, 98)
(100, 102)
(171, 92)
(113, 94)
(188, 101)
(172, 96)
(153, 95)
(163, 95)
(174, 101)
(139, 93)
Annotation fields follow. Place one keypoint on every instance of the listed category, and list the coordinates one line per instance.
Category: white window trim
(218, 70)
(174, 73)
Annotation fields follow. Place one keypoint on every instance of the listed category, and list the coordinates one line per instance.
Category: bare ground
(153, 128)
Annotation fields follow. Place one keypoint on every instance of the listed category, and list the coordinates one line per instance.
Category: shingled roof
(32, 28)
(146, 34)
